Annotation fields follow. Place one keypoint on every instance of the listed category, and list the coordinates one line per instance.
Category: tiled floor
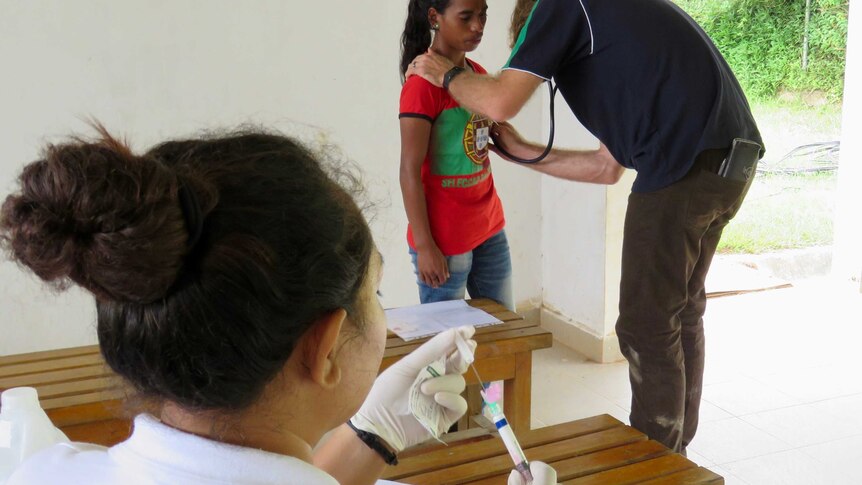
(782, 394)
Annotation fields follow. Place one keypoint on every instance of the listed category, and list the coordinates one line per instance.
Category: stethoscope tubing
(553, 92)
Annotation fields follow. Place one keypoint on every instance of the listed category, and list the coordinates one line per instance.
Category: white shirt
(157, 454)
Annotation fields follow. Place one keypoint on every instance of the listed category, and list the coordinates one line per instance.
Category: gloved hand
(542, 473)
(386, 410)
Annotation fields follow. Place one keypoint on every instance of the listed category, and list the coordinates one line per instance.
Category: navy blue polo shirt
(642, 76)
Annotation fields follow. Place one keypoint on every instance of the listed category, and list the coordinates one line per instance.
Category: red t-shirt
(463, 207)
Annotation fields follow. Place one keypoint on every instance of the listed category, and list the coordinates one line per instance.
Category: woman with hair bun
(235, 283)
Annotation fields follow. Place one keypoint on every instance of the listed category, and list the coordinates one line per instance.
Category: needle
(478, 377)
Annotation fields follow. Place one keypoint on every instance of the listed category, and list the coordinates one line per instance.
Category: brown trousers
(669, 240)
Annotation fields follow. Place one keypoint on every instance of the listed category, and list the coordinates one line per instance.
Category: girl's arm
(415, 137)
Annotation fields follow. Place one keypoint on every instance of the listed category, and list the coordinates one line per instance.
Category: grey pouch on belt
(741, 162)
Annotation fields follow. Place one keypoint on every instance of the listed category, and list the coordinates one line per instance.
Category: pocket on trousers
(712, 197)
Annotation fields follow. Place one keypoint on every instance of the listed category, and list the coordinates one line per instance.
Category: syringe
(491, 395)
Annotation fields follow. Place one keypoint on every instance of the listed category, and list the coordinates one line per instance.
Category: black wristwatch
(375, 443)
(450, 75)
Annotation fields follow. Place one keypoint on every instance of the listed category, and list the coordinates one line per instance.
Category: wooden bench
(84, 398)
(593, 451)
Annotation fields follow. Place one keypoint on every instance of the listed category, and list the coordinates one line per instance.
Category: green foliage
(783, 212)
(762, 41)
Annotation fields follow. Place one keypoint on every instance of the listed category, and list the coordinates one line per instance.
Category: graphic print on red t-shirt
(463, 207)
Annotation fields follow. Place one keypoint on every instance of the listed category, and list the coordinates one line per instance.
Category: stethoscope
(553, 92)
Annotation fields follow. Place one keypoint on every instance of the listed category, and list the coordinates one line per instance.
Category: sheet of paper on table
(387, 482)
(414, 322)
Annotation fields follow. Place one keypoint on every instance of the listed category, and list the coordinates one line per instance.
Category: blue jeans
(485, 272)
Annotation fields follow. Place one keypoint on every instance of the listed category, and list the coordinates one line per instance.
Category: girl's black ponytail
(416, 38)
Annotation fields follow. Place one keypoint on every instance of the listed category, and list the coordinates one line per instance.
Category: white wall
(572, 230)
(582, 246)
(847, 262)
(151, 69)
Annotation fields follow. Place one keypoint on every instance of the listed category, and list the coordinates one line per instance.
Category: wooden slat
(48, 355)
(485, 304)
(694, 476)
(50, 365)
(490, 306)
(494, 308)
(52, 377)
(637, 472)
(458, 454)
(92, 397)
(595, 462)
(550, 452)
(506, 316)
(83, 386)
(609, 459)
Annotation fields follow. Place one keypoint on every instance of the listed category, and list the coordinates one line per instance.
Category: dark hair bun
(95, 214)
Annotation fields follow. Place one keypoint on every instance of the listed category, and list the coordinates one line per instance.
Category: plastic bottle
(24, 429)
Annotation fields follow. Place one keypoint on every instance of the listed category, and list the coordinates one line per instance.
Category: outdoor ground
(782, 400)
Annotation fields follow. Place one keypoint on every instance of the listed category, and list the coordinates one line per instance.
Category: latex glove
(542, 473)
(386, 410)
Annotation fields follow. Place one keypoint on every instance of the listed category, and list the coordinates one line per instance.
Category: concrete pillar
(847, 258)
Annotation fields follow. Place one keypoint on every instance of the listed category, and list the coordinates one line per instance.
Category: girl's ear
(432, 16)
(319, 349)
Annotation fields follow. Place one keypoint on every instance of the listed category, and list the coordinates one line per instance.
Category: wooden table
(85, 399)
(593, 451)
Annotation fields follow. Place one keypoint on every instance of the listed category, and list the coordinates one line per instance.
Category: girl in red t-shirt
(456, 221)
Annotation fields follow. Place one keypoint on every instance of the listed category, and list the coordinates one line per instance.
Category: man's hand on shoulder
(431, 66)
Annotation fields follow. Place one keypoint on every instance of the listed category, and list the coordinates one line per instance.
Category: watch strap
(373, 441)
(450, 75)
